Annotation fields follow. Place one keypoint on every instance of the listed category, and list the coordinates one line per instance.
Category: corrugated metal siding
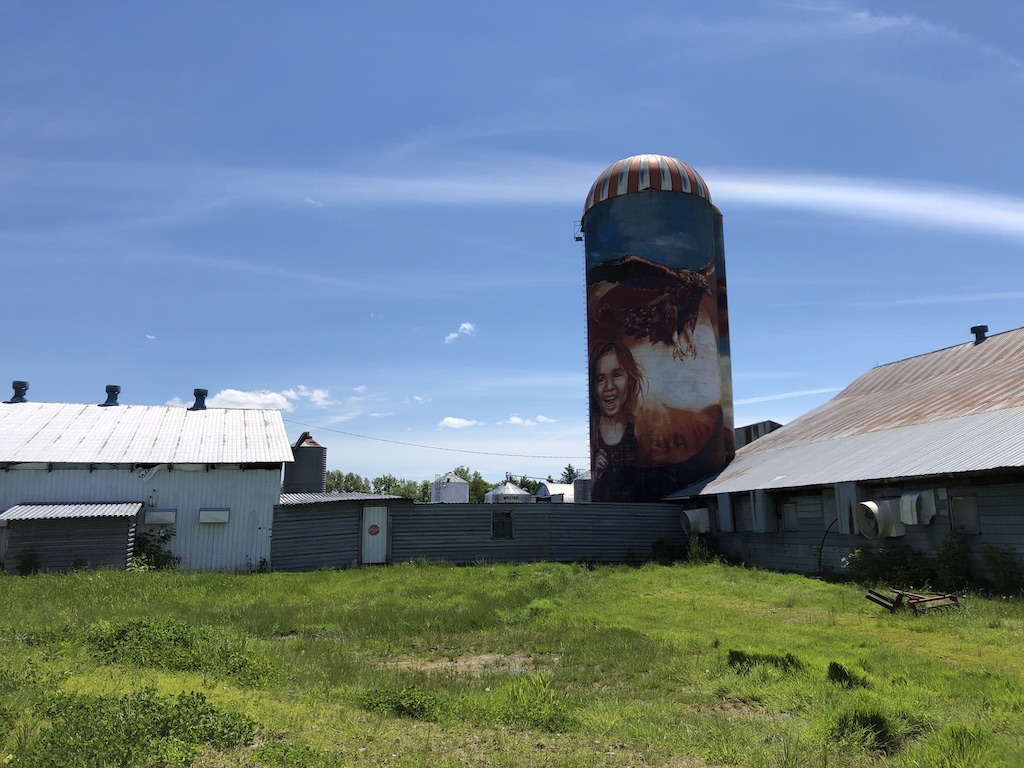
(461, 533)
(140, 434)
(1000, 511)
(288, 499)
(318, 536)
(239, 544)
(59, 545)
(612, 533)
(65, 511)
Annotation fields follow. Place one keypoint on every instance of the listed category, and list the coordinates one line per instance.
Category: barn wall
(328, 535)
(239, 544)
(61, 544)
(1000, 508)
(316, 536)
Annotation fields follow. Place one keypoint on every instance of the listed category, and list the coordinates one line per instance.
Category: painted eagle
(650, 301)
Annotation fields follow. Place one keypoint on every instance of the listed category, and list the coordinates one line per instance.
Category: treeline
(419, 490)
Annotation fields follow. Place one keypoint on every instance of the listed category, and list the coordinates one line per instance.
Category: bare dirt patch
(476, 664)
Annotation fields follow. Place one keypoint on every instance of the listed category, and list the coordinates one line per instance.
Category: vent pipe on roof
(20, 388)
(979, 332)
(113, 390)
(200, 404)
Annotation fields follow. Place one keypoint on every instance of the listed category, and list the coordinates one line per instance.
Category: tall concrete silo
(657, 330)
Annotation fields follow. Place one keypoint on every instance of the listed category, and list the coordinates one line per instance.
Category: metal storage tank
(449, 488)
(308, 473)
(657, 330)
(507, 493)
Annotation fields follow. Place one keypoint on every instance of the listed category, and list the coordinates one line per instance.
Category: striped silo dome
(641, 172)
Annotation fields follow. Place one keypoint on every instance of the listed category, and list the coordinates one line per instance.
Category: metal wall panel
(240, 544)
(59, 545)
(613, 533)
(461, 533)
(316, 536)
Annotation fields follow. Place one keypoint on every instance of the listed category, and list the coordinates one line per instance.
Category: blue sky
(364, 215)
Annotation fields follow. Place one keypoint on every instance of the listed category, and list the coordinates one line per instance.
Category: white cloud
(381, 415)
(521, 422)
(786, 395)
(418, 399)
(150, 337)
(465, 329)
(310, 201)
(263, 398)
(321, 398)
(453, 422)
(361, 388)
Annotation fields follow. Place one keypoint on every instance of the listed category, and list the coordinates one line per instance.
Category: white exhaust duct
(879, 519)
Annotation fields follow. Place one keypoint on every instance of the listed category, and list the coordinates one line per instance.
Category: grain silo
(308, 472)
(449, 488)
(657, 330)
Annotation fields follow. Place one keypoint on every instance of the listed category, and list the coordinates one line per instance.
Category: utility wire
(433, 447)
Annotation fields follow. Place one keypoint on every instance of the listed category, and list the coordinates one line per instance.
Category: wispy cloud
(786, 395)
(465, 329)
(521, 422)
(893, 201)
(265, 399)
(454, 422)
(321, 398)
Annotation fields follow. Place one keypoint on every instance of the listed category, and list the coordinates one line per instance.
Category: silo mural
(657, 331)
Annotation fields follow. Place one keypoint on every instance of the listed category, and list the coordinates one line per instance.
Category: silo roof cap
(642, 172)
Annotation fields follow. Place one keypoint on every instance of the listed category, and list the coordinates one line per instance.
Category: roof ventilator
(979, 332)
(200, 404)
(20, 388)
(113, 390)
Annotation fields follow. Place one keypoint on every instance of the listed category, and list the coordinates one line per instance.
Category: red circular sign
(374, 529)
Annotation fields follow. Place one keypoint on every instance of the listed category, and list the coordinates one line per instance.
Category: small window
(213, 515)
(743, 513)
(963, 511)
(789, 518)
(501, 524)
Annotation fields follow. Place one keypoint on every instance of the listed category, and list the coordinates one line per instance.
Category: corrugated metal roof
(140, 434)
(64, 511)
(959, 409)
(326, 498)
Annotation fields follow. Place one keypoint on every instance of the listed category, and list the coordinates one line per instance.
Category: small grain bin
(308, 472)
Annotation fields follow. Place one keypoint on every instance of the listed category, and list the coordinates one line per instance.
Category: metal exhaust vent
(20, 388)
(200, 404)
(113, 390)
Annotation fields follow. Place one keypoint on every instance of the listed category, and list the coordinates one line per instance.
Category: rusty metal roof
(959, 409)
(65, 511)
(140, 434)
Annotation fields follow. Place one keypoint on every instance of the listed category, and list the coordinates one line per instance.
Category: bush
(151, 552)
(407, 702)
(953, 564)
(896, 565)
(176, 645)
(1004, 572)
(140, 729)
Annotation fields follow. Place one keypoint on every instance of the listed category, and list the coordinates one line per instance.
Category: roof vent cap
(200, 404)
(979, 332)
(113, 390)
(20, 388)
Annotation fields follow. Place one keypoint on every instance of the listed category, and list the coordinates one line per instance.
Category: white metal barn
(213, 474)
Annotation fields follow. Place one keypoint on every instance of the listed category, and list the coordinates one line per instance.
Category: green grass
(543, 664)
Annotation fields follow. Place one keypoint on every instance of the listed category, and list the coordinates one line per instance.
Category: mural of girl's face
(611, 385)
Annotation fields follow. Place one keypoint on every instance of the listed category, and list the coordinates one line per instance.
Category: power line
(433, 447)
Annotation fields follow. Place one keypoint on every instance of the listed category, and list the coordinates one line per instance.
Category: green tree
(478, 487)
(569, 474)
(526, 484)
(385, 484)
(346, 482)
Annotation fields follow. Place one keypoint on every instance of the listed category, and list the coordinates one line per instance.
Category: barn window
(789, 517)
(501, 524)
(963, 512)
(743, 513)
(213, 515)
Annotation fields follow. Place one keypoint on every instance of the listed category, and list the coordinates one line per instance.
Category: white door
(375, 534)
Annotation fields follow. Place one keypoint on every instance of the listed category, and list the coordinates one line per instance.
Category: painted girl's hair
(629, 365)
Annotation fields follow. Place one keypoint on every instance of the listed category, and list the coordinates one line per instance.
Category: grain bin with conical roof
(657, 330)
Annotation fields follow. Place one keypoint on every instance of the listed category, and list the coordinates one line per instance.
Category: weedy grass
(510, 665)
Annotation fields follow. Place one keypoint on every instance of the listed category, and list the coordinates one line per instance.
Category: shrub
(533, 702)
(151, 552)
(176, 645)
(139, 729)
(1005, 575)
(407, 702)
(896, 565)
(953, 564)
